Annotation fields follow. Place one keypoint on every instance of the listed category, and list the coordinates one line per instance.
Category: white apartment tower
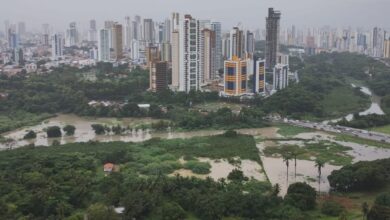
(189, 57)
(57, 46)
(280, 77)
(104, 45)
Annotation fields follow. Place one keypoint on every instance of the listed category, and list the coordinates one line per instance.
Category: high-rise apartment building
(189, 57)
(166, 54)
(104, 45)
(167, 31)
(208, 55)
(128, 36)
(13, 39)
(237, 43)
(92, 32)
(259, 78)
(158, 76)
(175, 45)
(218, 62)
(72, 35)
(21, 29)
(149, 31)
(57, 46)
(117, 41)
(386, 50)
(280, 77)
(250, 44)
(235, 78)
(152, 54)
(272, 37)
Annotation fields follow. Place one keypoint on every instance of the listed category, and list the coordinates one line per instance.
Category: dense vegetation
(68, 90)
(366, 121)
(361, 176)
(65, 182)
(324, 90)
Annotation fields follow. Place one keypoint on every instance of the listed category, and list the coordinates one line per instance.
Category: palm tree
(319, 164)
(276, 190)
(286, 160)
(294, 154)
(365, 210)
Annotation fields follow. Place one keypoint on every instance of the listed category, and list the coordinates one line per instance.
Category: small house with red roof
(108, 167)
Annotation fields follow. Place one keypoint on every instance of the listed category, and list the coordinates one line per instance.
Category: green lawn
(342, 101)
(384, 129)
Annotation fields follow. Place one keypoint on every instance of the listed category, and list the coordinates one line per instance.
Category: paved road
(370, 135)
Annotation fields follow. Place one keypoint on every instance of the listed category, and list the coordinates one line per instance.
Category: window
(261, 77)
(230, 85)
(231, 71)
(243, 70)
(243, 84)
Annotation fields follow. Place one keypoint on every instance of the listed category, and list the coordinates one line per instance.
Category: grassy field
(14, 120)
(342, 101)
(289, 131)
(347, 138)
(214, 106)
(331, 153)
(384, 129)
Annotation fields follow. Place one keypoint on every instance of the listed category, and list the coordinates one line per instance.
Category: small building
(108, 168)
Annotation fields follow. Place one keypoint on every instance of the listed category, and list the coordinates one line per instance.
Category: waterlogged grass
(14, 120)
(289, 130)
(331, 153)
(152, 157)
(347, 138)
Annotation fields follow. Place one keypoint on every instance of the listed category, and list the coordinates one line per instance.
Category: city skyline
(317, 13)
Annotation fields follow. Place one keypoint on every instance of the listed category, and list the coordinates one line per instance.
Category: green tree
(172, 211)
(30, 135)
(53, 132)
(101, 212)
(237, 175)
(301, 195)
(69, 130)
(98, 128)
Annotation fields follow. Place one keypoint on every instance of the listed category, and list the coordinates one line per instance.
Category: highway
(364, 134)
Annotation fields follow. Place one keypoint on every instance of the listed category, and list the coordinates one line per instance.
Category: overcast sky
(251, 13)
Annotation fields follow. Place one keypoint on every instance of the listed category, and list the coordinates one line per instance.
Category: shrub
(230, 133)
(99, 129)
(172, 211)
(69, 130)
(53, 132)
(30, 135)
(332, 208)
(237, 175)
(198, 167)
(302, 196)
